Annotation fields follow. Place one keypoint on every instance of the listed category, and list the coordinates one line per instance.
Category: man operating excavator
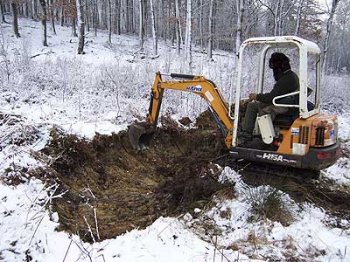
(261, 104)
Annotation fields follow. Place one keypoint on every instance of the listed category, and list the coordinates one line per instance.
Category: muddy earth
(108, 188)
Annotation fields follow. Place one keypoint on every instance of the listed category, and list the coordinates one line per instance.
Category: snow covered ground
(103, 91)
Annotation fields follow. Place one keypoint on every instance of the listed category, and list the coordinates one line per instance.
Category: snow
(102, 92)
(308, 237)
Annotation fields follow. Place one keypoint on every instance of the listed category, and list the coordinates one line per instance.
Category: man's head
(279, 63)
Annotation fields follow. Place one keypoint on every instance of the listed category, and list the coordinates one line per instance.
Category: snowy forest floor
(68, 194)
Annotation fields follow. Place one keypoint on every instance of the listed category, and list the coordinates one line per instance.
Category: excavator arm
(189, 83)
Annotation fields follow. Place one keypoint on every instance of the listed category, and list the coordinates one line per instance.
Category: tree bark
(276, 18)
(188, 45)
(200, 22)
(299, 9)
(34, 9)
(117, 17)
(43, 21)
(95, 17)
(210, 30)
(62, 15)
(15, 19)
(130, 16)
(328, 33)
(154, 30)
(52, 13)
(141, 25)
(2, 11)
(81, 24)
(240, 12)
(109, 21)
(178, 27)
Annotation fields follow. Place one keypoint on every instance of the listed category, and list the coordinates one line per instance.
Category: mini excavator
(305, 139)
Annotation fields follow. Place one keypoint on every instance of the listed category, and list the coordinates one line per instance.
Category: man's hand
(252, 96)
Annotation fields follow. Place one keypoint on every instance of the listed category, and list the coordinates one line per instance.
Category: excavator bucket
(140, 135)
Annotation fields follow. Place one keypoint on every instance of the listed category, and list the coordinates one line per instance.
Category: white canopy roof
(281, 41)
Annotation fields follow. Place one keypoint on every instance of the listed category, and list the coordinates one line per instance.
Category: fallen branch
(65, 255)
(47, 53)
(92, 235)
(96, 225)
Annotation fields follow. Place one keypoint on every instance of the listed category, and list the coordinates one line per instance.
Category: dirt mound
(110, 188)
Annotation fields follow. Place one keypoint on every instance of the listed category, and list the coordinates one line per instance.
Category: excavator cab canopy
(305, 50)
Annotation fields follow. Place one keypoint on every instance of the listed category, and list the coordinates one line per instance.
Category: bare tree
(298, 17)
(2, 11)
(109, 21)
(210, 30)
(15, 18)
(34, 7)
(188, 39)
(154, 31)
(52, 15)
(81, 24)
(117, 16)
(328, 32)
(43, 21)
(177, 27)
(141, 24)
(240, 12)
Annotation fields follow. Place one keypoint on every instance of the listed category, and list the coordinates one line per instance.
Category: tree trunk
(240, 12)
(43, 21)
(141, 25)
(74, 28)
(130, 16)
(210, 30)
(188, 45)
(297, 26)
(94, 17)
(178, 27)
(62, 16)
(34, 9)
(52, 13)
(117, 16)
(109, 21)
(81, 24)
(15, 19)
(87, 15)
(276, 18)
(280, 18)
(2, 11)
(328, 33)
(154, 31)
(201, 37)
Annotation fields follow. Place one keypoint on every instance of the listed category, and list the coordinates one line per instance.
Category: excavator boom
(140, 133)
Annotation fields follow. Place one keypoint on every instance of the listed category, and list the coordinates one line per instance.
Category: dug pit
(109, 189)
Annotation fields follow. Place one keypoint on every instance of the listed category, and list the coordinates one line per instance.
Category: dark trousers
(257, 108)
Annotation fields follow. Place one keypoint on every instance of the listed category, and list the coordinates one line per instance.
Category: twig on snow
(65, 255)
(89, 227)
(96, 225)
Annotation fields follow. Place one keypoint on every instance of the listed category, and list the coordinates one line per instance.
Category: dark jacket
(287, 83)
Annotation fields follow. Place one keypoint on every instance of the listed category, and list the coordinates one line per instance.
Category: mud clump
(111, 189)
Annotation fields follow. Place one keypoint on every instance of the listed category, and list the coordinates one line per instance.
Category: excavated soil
(110, 189)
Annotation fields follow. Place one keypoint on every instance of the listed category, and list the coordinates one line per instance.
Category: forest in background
(201, 24)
